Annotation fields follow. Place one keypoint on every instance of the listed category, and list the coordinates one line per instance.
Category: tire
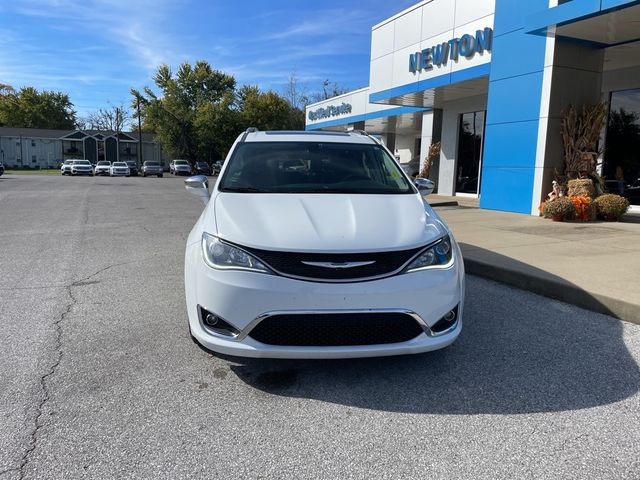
(144, 175)
(160, 176)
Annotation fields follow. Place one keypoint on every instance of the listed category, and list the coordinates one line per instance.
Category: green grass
(50, 171)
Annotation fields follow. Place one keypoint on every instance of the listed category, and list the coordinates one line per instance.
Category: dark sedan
(202, 168)
(133, 167)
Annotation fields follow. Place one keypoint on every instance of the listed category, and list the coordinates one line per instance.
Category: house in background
(41, 148)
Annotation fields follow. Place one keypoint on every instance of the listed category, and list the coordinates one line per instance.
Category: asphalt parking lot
(100, 379)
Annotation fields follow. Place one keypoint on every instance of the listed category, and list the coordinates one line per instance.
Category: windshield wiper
(243, 190)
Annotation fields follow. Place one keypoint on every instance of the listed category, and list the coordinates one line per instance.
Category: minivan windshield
(313, 167)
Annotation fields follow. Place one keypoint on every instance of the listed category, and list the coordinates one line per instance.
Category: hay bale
(582, 188)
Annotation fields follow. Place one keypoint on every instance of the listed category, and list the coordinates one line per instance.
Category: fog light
(445, 324)
(215, 324)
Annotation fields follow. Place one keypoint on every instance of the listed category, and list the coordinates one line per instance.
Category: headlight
(439, 255)
(218, 254)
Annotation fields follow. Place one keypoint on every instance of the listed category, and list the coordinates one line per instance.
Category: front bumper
(244, 298)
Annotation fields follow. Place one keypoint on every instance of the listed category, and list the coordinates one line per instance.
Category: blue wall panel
(606, 4)
(515, 99)
(501, 152)
(509, 16)
(515, 47)
(507, 187)
(513, 110)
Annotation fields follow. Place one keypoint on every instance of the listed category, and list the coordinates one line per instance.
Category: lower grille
(336, 329)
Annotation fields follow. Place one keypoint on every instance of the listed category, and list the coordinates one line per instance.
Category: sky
(96, 50)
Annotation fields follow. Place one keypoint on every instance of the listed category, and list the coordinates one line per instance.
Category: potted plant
(559, 209)
(611, 207)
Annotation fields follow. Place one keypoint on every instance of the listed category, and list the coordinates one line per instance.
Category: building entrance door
(468, 163)
(622, 152)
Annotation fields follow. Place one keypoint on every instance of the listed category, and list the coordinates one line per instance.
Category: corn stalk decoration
(434, 152)
(580, 134)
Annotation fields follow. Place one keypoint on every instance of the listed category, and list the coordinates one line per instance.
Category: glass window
(469, 152)
(622, 151)
(312, 167)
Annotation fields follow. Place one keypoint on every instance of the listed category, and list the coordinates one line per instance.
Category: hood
(323, 222)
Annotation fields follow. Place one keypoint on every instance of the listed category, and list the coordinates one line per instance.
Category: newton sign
(466, 46)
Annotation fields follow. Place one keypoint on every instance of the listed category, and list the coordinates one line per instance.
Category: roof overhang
(598, 23)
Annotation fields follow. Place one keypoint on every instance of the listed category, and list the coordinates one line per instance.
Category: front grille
(290, 264)
(336, 329)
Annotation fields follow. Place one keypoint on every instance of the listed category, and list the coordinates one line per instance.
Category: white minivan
(317, 245)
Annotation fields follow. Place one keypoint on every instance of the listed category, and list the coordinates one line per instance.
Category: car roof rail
(247, 132)
(366, 134)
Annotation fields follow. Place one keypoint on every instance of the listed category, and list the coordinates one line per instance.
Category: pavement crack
(52, 369)
(44, 387)
(82, 281)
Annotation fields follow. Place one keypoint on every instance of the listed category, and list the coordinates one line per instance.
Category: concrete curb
(554, 288)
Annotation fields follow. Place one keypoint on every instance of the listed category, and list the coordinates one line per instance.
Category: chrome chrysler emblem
(338, 264)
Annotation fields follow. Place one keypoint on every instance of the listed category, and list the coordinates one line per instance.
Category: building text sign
(466, 46)
(330, 111)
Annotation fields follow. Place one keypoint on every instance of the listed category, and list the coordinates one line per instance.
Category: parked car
(152, 168)
(341, 258)
(202, 168)
(133, 167)
(119, 169)
(65, 168)
(412, 168)
(180, 167)
(216, 166)
(1, 169)
(81, 167)
(102, 167)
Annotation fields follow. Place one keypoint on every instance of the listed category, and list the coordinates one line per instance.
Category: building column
(431, 133)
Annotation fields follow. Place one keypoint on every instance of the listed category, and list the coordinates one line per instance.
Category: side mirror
(424, 186)
(199, 186)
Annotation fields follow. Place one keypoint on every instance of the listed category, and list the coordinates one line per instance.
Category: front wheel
(160, 176)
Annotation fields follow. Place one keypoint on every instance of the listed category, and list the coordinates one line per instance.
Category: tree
(113, 119)
(295, 93)
(29, 108)
(199, 113)
(185, 95)
(268, 110)
(329, 90)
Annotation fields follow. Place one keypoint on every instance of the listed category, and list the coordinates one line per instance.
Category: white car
(65, 168)
(317, 245)
(180, 167)
(119, 169)
(81, 167)
(103, 168)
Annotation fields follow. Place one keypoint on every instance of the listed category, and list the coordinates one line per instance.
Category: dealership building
(489, 80)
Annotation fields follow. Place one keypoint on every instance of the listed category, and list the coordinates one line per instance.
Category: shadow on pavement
(518, 353)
